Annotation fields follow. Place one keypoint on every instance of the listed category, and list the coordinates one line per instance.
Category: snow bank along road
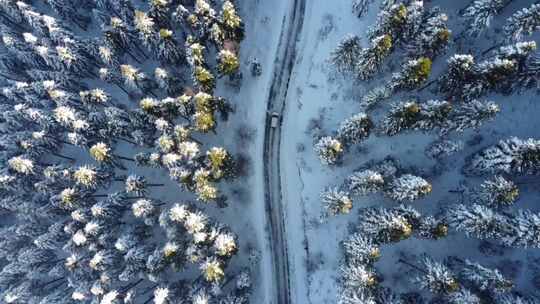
(283, 66)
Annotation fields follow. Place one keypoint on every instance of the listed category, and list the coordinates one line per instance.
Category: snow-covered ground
(318, 101)
(244, 133)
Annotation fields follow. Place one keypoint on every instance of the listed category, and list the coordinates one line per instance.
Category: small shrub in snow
(443, 148)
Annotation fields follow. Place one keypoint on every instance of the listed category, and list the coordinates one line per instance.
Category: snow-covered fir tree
(512, 156)
(365, 182)
(478, 221)
(346, 54)
(497, 192)
(437, 277)
(523, 22)
(408, 188)
(463, 296)
(360, 250)
(388, 225)
(329, 150)
(480, 13)
(354, 129)
(336, 201)
(485, 279)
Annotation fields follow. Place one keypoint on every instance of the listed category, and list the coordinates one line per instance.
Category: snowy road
(283, 66)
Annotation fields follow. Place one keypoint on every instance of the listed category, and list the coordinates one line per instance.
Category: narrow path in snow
(284, 63)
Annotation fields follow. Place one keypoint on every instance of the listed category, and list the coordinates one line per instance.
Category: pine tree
(524, 231)
(525, 21)
(432, 36)
(413, 74)
(463, 296)
(513, 156)
(388, 225)
(360, 250)
(496, 192)
(336, 201)
(408, 188)
(358, 276)
(415, 116)
(437, 278)
(346, 54)
(478, 221)
(365, 182)
(329, 150)
(460, 70)
(480, 13)
(485, 279)
(369, 60)
(354, 129)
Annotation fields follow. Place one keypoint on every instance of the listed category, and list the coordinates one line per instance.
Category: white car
(274, 119)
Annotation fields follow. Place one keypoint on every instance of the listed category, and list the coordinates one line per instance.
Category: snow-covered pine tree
(437, 278)
(523, 22)
(336, 201)
(515, 299)
(388, 225)
(480, 13)
(374, 97)
(412, 115)
(463, 296)
(470, 115)
(329, 150)
(346, 54)
(512, 156)
(360, 250)
(485, 279)
(407, 188)
(369, 60)
(354, 129)
(460, 70)
(497, 192)
(358, 276)
(432, 228)
(365, 182)
(478, 221)
(413, 74)
(432, 37)
(391, 20)
(524, 231)
(466, 80)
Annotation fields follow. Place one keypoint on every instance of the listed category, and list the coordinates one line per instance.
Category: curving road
(283, 66)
